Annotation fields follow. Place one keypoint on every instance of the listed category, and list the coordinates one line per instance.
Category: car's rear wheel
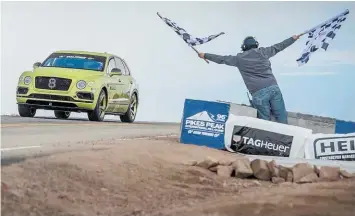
(26, 111)
(131, 113)
(98, 114)
(61, 114)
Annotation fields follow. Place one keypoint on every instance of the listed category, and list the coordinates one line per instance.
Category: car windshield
(75, 61)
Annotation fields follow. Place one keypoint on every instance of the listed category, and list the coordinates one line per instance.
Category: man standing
(255, 68)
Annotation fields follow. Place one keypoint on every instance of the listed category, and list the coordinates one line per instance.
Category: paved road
(27, 137)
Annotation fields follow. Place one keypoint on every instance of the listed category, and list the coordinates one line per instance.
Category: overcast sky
(167, 70)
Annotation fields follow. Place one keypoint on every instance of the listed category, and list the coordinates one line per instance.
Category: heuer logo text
(261, 143)
(331, 146)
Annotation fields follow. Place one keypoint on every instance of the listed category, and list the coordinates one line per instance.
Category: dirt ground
(146, 177)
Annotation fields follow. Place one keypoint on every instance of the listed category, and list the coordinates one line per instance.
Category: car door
(120, 100)
(124, 81)
(131, 80)
(114, 90)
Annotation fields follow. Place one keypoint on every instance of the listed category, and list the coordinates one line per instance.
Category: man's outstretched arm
(227, 60)
(273, 50)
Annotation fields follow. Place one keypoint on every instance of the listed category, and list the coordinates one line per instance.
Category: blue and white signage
(203, 123)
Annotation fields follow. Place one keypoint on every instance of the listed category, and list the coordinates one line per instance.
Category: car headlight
(27, 80)
(81, 84)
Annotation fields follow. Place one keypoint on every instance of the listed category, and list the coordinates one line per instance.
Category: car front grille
(51, 97)
(52, 83)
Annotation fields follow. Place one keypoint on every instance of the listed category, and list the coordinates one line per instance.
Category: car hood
(67, 73)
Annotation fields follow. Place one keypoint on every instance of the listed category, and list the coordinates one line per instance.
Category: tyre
(62, 114)
(26, 111)
(131, 113)
(98, 114)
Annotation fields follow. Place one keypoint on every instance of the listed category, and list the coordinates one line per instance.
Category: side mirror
(36, 65)
(116, 71)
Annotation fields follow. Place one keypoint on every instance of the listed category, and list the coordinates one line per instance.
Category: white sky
(167, 70)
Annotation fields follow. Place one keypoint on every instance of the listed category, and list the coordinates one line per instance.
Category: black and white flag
(320, 36)
(189, 39)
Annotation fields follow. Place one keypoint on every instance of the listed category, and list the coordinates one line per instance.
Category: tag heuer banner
(203, 123)
(253, 141)
(331, 147)
(254, 136)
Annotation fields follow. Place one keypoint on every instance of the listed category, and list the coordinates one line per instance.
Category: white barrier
(252, 136)
(331, 147)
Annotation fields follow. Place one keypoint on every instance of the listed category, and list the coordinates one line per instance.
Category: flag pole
(199, 53)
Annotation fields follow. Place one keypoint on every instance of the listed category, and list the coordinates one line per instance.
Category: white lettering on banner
(265, 144)
(342, 146)
(204, 124)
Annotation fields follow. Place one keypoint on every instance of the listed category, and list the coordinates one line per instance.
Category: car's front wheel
(61, 114)
(98, 114)
(131, 113)
(26, 111)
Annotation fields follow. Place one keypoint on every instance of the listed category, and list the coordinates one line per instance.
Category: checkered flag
(189, 39)
(320, 36)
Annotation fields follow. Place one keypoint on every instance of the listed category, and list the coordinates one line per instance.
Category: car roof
(85, 52)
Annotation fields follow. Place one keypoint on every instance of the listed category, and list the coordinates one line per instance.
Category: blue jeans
(269, 101)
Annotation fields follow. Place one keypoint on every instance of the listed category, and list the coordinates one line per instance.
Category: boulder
(283, 171)
(274, 169)
(207, 163)
(289, 176)
(190, 163)
(301, 170)
(346, 174)
(213, 169)
(225, 162)
(277, 180)
(312, 177)
(242, 168)
(260, 169)
(328, 173)
(224, 171)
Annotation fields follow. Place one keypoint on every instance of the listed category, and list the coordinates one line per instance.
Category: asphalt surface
(32, 137)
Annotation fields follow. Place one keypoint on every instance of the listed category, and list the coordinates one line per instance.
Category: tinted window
(75, 61)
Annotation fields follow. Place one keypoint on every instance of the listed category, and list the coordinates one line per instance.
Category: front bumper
(78, 101)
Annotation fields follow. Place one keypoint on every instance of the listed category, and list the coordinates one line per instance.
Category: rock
(301, 170)
(274, 170)
(283, 171)
(242, 168)
(329, 173)
(207, 163)
(256, 183)
(289, 176)
(346, 174)
(224, 171)
(260, 169)
(213, 169)
(225, 162)
(277, 180)
(190, 163)
(310, 178)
